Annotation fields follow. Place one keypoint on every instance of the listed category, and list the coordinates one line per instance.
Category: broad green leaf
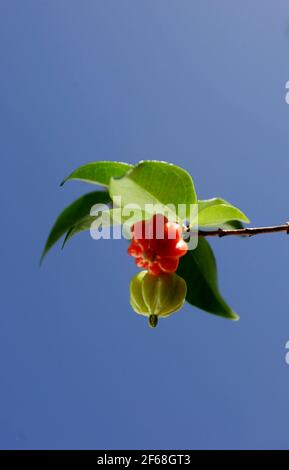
(217, 212)
(99, 172)
(155, 183)
(198, 268)
(72, 215)
(230, 224)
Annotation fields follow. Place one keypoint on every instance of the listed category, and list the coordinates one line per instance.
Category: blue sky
(197, 83)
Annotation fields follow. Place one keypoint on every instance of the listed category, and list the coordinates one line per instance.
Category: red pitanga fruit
(157, 245)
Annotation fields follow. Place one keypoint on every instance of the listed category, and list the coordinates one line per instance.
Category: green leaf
(217, 211)
(230, 224)
(72, 215)
(153, 182)
(98, 172)
(198, 268)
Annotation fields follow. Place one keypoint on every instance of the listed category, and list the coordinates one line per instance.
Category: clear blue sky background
(197, 83)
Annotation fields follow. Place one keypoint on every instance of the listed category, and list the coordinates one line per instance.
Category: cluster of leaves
(155, 182)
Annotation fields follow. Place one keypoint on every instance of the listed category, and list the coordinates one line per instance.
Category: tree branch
(247, 232)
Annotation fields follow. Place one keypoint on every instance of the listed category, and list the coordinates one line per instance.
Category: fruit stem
(153, 320)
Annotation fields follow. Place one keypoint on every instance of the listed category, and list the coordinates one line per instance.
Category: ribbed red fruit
(157, 245)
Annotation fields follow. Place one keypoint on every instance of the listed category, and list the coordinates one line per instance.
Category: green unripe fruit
(157, 296)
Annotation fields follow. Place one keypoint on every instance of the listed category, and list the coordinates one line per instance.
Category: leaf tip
(43, 254)
(234, 316)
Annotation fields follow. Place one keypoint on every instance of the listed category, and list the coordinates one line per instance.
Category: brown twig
(247, 232)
